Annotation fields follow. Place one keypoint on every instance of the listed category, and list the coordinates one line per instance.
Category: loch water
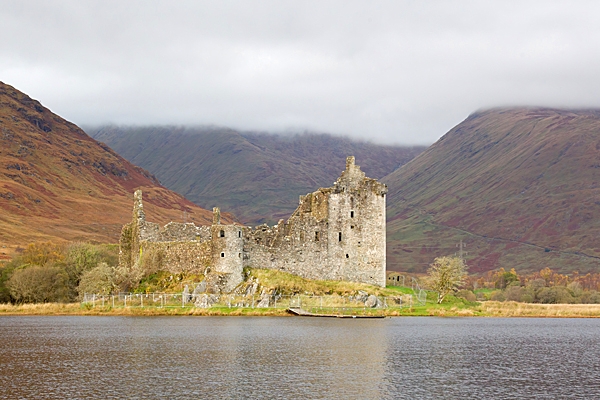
(298, 358)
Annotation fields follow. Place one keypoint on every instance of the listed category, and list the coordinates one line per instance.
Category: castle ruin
(336, 233)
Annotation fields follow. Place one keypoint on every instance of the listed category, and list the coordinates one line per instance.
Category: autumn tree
(41, 254)
(446, 274)
(503, 278)
(39, 285)
(80, 258)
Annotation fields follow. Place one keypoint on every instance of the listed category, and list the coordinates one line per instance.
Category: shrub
(555, 295)
(37, 284)
(590, 297)
(536, 284)
(99, 280)
(151, 260)
(575, 288)
(497, 295)
(482, 296)
(81, 257)
(467, 295)
(6, 272)
(514, 293)
(527, 298)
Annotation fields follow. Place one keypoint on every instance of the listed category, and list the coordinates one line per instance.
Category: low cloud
(387, 71)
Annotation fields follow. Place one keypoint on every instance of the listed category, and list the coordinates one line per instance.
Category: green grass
(400, 289)
(168, 282)
(287, 284)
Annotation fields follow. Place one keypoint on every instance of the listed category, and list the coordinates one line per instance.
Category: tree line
(448, 274)
(60, 272)
(543, 286)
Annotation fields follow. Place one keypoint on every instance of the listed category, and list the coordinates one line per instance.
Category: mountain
(256, 176)
(58, 183)
(519, 186)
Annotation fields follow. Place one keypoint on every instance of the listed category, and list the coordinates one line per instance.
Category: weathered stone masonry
(336, 233)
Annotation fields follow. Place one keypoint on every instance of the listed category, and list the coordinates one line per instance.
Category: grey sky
(388, 71)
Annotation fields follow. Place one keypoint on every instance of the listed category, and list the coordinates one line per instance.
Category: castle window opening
(222, 254)
(317, 236)
(340, 237)
(222, 233)
(351, 226)
(239, 255)
(351, 214)
(347, 256)
(239, 233)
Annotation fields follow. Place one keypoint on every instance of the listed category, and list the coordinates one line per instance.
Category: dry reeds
(78, 309)
(486, 309)
(514, 309)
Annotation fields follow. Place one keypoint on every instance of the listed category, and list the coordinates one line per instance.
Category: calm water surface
(297, 358)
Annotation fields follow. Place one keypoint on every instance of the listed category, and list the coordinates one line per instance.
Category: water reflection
(236, 358)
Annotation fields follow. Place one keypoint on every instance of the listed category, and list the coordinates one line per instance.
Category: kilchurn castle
(336, 233)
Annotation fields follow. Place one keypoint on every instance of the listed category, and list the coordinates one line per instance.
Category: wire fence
(396, 279)
(310, 303)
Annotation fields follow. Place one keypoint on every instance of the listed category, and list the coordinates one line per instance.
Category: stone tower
(336, 233)
(227, 250)
(357, 228)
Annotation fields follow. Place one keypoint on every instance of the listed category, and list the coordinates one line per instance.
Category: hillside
(521, 187)
(257, 177)
(57, 183)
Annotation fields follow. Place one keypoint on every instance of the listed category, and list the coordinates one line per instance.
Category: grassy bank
(456, 309)
(79, 309)
(331, 297)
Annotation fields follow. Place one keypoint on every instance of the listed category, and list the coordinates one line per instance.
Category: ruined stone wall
(174, 232)
(299, 247)
(130, 234)
(179, 247)
(176, 257)
(336, 233)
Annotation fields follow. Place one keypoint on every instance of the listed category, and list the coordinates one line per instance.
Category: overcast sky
(389, 71)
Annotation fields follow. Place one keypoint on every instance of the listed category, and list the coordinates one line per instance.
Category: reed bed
(485, 309)
(514, 309)
(78, 309)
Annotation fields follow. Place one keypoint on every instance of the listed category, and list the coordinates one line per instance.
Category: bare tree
(446, 274)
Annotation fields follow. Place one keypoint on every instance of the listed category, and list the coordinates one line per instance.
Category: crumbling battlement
(336, 233)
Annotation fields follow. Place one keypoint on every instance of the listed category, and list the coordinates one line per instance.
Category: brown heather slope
(521, 187)
(57, 183)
